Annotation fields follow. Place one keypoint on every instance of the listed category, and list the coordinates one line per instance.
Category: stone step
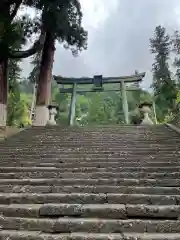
(90, 189)
(95, 175)
(93, 182)
(33, 235)
(50, 136)
(100, 147)
(169, 169)
(109, 211)
(88, 198)
(101, 131)
(140, 143)
(115, 144)
(119, 174)
(73, 164)
(93, 133)
(88, 142)
(92, 154)
(92, 225)
(88, 158)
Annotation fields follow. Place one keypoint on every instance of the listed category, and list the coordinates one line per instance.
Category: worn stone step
(106, 149)
(94, 182)
(88, 158)
(101, 160)
(33, 235)
(131, 172)
(105, 133)
(86, 143)
(93, 131)
(93, 134)
(102, 131)
(92, 225)
(119, 154)
(94, 175)
(94, 156)
(169, 169)
(73, 164)
(122, 144)
(94, 153)
(109, 211)
(88, 198)
(50, 136)
(90, 189)
(84, 158)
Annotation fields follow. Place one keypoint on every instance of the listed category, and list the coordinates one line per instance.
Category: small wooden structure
(98, 83)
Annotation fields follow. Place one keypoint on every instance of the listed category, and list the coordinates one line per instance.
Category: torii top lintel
(85, 80)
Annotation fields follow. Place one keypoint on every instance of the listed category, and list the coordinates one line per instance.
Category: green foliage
(69, 14)
(176, 51)
(99, 108)
(17, 107)
(163, 85)
(61, 18)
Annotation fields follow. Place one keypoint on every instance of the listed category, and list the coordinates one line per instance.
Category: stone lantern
(53, 109)
(145, 109)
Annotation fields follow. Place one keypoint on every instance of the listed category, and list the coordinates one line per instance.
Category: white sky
(97, 11)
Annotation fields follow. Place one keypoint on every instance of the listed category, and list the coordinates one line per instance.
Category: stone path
(102, 183)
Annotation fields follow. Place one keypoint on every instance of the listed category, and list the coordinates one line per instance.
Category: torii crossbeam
(98, 81)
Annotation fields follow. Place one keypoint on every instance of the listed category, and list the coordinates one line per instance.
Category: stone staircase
(118, 183)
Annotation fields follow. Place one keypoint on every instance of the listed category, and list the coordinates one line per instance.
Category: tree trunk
(3, 91)
(44, 82)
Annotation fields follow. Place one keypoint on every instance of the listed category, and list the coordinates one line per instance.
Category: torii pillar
(125, 102)
(72, 111)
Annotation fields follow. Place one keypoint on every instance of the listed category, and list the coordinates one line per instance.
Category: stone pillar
(125, 102)
(44, 82)
(41, 116)
(3, 93)
(52, 114)
(3, 114)
(145, 109)
(72, 111)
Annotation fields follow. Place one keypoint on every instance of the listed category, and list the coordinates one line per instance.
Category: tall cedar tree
(176, 50)
(70, 32)
(164, 87)
(9, 36)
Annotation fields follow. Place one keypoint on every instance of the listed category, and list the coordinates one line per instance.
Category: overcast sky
(119, 32)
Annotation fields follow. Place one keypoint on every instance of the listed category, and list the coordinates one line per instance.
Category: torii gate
(98, 81)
